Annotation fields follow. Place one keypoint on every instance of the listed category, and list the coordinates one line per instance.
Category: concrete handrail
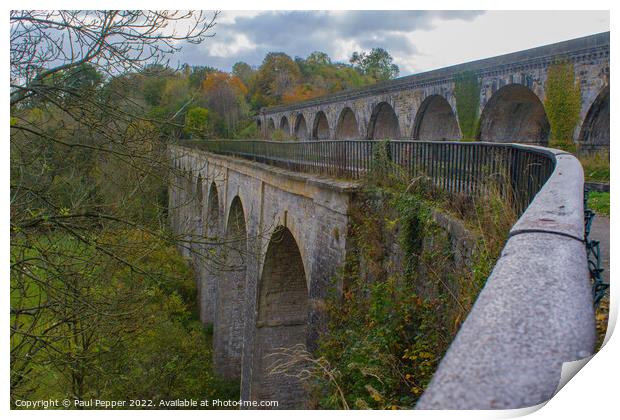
(534, 313)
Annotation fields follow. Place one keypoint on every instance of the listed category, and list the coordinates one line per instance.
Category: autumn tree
(225, 96)
(282, 80)
(277, 74)
(198, 74)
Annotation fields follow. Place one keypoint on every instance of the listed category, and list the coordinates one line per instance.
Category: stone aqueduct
(423, 106)
(284, 238)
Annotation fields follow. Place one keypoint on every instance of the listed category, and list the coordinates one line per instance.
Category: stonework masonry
(282, 244)
(285, 240)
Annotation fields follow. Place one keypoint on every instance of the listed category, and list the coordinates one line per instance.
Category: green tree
(197, 122)
(378, 64)
(277, 74)
(243, 71)
(198, 74)
(84, 77)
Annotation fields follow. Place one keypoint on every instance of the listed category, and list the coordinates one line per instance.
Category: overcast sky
(418, 40)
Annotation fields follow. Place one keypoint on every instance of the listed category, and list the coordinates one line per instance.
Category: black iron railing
(469, 168)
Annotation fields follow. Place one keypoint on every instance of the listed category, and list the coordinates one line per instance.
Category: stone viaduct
(284, 236)
(423, 106)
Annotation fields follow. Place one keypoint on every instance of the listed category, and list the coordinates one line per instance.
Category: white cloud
(498, 32)
(230, 47)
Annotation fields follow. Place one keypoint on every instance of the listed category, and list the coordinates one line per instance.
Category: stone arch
(301, 129)
(347, 128)
(282, 320)
(383, 123)
(271, 127)
(213, 212)
(320, 127)
(228, 328)
(212, 234)
(435, 120)
(284, 125)
(594, 133)
(199, 190)
(514, 114)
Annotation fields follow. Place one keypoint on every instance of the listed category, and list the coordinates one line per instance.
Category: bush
(197, 121)
(250, 132)
(396, 317)
(467, 93)
(280, 135)
(562, 105)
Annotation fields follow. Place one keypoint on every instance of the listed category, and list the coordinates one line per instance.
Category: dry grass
(595, 166)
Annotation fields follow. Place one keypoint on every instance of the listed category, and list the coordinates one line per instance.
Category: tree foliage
(197, 122)
(378, 64)
(95, 285)
(225, 96)
(277, 74)
(281, 79)
(110, 331)
(243, 71)
(467, 94)
(562, 104)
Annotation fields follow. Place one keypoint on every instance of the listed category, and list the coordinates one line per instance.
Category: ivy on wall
(562, 104)
(467, 92)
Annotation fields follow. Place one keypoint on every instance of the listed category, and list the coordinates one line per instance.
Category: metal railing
(457, 167)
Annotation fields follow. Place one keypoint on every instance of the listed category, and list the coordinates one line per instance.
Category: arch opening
(209, 276)
(271, 127)
(435, 120)
(595, 129)
(199, 190)
(213, 212)
(301, 129)
(383, 123)
(514, 114)
(228, 331)
(282, 321)
(320, 127)
(347, 128)
(284, 126)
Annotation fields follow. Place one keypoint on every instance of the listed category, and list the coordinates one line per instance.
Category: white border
(591, 394)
